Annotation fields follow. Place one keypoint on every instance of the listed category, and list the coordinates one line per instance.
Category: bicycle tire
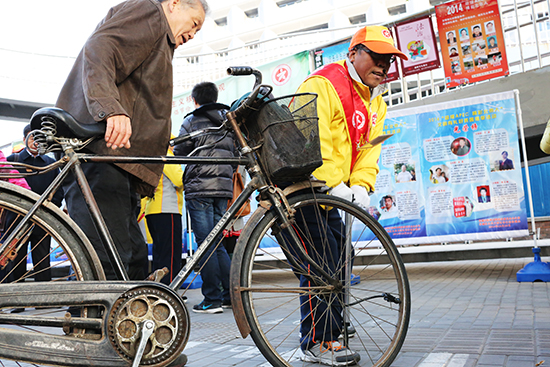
(271, 290)
(76, 259)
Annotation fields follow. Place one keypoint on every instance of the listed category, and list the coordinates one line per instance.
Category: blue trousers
(215, 265)
(321, 316)
(166, 232)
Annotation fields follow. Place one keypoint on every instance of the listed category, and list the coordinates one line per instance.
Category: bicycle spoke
(302, 293)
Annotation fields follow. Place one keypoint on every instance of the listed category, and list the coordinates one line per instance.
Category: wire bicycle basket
(287, 130)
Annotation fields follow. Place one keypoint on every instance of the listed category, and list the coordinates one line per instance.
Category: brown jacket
(125, 67)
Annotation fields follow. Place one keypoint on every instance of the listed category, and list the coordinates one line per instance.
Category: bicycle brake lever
(147, 329)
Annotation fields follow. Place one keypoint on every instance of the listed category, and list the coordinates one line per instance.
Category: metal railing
(526, 28)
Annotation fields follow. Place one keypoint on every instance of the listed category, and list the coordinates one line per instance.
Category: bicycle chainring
(169, 314)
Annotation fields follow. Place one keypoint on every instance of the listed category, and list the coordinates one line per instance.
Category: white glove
(360, 196)
(342, 191)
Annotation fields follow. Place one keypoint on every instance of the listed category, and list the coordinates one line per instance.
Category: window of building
(193, 60)
(358, 19)
(284, 3)
(314, 28)
(222, 22)
(399, 9)
(252, 13)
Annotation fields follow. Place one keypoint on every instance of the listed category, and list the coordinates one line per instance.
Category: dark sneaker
(330, 353)
(208, 308)
(351, 331)
(226, 303)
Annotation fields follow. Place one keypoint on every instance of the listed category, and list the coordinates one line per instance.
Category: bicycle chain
(171, 325)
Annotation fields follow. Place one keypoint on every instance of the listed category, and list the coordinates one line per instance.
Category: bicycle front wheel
(351, 287)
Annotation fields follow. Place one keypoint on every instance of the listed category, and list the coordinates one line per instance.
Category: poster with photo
(451, 172)
(416, 38)
(472, 41)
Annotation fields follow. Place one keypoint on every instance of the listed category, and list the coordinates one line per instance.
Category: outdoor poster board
(444, 176)
(416, 38)
(472, 41)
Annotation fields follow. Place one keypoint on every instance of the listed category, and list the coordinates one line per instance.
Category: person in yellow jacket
(351, 114)
(163, 218)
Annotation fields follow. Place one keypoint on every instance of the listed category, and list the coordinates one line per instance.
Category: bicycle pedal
(158, 274)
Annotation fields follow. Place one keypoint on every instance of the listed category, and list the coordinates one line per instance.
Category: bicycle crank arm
(104, 340)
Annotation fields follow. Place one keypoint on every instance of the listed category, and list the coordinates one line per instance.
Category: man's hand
(342, 191)
(361, 196)
(119, 130)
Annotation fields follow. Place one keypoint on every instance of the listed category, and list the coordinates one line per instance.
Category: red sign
(472, 41)
(281, 75)
(416, 38)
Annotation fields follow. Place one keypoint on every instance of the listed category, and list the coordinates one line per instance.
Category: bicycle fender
(238, 254)
(54, 210)
(236, 270)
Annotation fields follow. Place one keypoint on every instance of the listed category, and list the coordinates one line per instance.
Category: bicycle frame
(73, 161)
(273, 202)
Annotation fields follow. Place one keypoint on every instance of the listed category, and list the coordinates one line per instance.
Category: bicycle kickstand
(147, 328)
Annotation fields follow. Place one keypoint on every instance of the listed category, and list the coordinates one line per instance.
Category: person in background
(404, 175)
(123, 77)
(7, 218)
(388, 204)
(505, 163)
(40, 243)
(439, 177)
(6, 168)
(207, 190)
(451, 38)
(477, 32)
(163, 217)
(454, 52)
(483, 197)
(463, 147)
(351, 113)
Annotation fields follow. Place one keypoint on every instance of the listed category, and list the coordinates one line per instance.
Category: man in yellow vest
(351, 113)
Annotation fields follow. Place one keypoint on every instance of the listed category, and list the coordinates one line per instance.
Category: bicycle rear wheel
(368, 294)
(67, 254)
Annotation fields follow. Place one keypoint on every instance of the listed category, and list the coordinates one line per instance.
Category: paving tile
(464, 314)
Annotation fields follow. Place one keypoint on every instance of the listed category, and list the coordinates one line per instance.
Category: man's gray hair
(193, 4)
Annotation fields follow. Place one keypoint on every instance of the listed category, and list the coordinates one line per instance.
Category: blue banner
(452, 172)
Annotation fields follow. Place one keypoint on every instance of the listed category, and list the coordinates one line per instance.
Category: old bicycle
(120, 323)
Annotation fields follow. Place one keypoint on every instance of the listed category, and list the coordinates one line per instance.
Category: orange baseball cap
(378, 39)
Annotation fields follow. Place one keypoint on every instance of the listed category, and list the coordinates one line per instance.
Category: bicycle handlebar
(250, 103)
(182, 138)
(246, 70)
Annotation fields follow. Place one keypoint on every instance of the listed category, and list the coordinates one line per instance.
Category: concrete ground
(464, 314)
(468, 313)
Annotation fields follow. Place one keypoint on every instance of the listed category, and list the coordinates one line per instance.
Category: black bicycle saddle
(66, 124)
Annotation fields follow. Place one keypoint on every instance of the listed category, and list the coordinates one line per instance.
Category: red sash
(355, 111)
